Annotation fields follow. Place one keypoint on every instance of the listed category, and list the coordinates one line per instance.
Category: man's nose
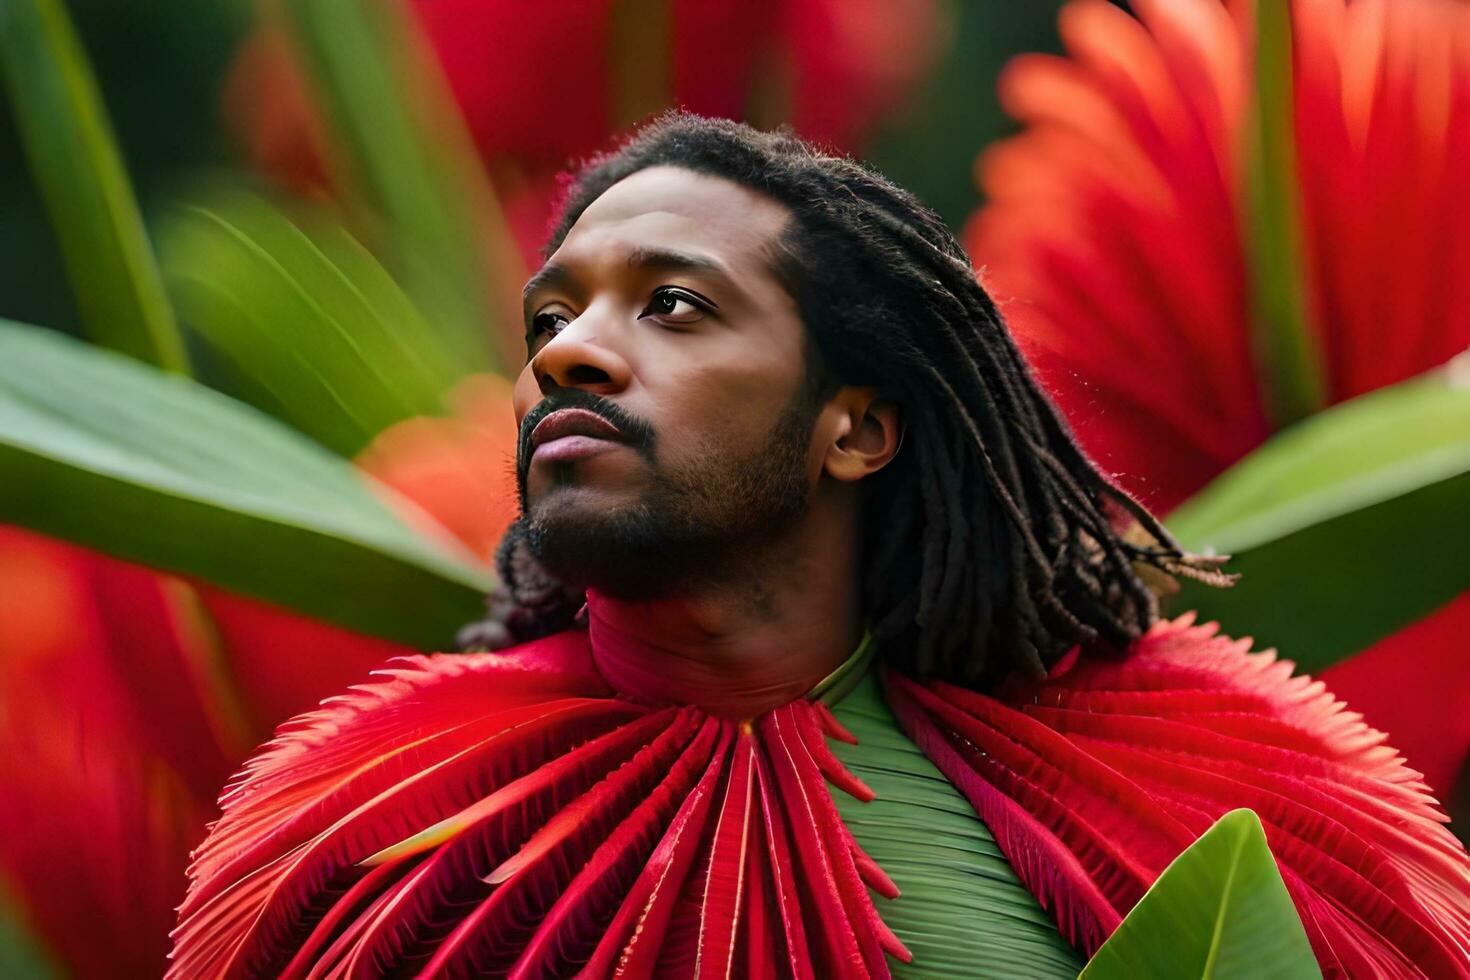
(576, 358)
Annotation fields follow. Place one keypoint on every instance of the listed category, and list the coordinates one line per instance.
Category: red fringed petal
(500, 846)
(725, 874)
(505, 814)
(1092, 781)
(783, 876)
(837, 944)
(571, 930)
(810, 728)
(641, 923)
(832, 726)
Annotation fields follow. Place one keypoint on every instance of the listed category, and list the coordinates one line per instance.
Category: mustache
(635, 432)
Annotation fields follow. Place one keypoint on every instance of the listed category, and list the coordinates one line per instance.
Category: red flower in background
(127, 697)
(107, 752)
(537, 83)
(1113, 241)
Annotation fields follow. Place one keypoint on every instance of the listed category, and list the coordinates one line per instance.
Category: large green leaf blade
(156, 469)
(316, 331)
(1220, 910)
(962, 911)
(1346, 527)
(65, 133)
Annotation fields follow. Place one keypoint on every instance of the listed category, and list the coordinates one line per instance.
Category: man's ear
(866, 433)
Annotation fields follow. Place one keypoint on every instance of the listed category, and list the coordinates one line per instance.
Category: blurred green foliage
(161, 65)
(932, 151)
(20, 954)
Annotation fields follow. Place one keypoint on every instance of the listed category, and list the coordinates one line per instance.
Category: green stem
(1287, 354)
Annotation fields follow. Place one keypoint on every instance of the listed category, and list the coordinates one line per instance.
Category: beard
(700, 524)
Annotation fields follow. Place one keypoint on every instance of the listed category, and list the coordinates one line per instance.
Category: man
(775, 443)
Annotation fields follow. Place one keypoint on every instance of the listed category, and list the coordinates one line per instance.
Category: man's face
(665, 416)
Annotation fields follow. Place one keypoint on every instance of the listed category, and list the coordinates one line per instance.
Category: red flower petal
(837, 945)
(783, 875)
(725, 872)
(572, 928)
(634, 941)
(1113, 767)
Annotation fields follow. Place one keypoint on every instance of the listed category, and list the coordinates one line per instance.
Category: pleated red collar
(515, 814)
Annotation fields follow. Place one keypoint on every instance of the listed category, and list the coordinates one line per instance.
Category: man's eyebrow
(664, 258)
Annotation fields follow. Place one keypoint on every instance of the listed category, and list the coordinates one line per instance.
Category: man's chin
(581, 510)
(618, 551)
(613, 478)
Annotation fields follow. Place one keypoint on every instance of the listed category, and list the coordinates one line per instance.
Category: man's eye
(548, 324)
(674, 304)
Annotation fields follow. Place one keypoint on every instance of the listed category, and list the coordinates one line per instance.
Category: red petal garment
(509, 814)
(1094, 780)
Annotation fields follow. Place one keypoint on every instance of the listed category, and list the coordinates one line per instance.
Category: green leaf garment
(544, 811)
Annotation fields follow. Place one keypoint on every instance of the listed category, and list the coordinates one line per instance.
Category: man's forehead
(678, 208)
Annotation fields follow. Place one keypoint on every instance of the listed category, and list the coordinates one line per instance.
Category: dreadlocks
(991, 542)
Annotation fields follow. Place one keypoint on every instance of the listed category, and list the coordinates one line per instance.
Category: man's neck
(751, 643)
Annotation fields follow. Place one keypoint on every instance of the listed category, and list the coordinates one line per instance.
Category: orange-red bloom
(100, 794)
(461, 468)
(128, 697)
(1113, 241)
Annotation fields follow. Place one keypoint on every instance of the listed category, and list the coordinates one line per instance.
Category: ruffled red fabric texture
(1093, 781)
(511, 814)
(507, 814)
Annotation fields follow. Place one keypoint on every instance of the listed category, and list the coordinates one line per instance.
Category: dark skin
(662, 299)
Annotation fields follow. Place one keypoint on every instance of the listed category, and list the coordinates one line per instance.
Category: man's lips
(572, 432)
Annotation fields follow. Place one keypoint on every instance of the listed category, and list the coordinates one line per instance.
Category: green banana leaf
(64, 130)
(1288, 357)
(1346, 527)
(962, 911)
(1219, 910)
(401, 147)
(316, 331)
(153, 468)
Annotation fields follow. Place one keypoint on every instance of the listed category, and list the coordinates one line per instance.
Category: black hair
(991, 542)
